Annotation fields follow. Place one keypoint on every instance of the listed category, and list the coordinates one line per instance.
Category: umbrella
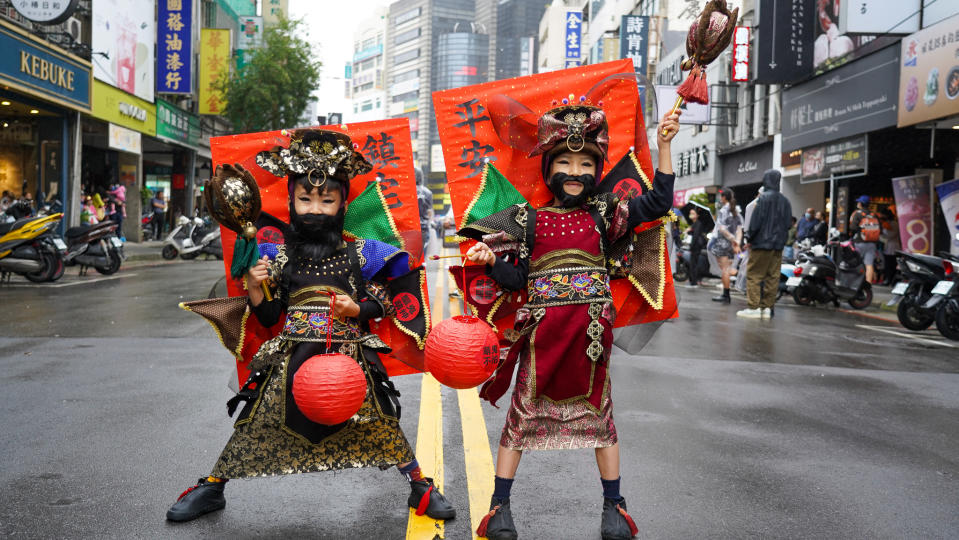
(705, 215)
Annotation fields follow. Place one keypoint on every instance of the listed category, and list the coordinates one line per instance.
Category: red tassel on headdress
(481, 530)
(424, 502)
(694, 89)
(633, 529)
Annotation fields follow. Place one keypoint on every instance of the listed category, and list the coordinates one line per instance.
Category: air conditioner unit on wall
(74, 27)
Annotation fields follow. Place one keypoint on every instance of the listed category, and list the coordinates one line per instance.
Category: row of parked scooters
(928, 292)
(31, 247)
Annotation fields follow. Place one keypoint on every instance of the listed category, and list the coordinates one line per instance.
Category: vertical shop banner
(386, 144)
(574, 37)
(914, 209)
(175, 47)
(214, 64)
(125, 32)
(633, 40)
(248, 40)
(949, 202)
(929, 73)
(784, 48)
(741, 54)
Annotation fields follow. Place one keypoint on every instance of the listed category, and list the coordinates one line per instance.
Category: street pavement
(820, 423)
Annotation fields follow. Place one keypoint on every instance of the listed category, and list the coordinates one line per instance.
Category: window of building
(408, 35)
(366, 106)
(368, 43)
(409, 96)
(406, 75)
(406, 56)
(364, 87)
(407, 16)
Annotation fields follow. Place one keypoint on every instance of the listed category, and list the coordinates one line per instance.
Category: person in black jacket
(696, 244)
(765, 238)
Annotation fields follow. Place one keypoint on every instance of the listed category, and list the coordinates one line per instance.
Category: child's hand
(669, 125)
(344, 306)
(259, 273)
(481, 253)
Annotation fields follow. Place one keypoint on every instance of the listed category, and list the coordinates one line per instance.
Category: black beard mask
(315, 236)
(570, 201)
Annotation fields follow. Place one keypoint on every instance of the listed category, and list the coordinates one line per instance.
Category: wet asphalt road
(813, 425)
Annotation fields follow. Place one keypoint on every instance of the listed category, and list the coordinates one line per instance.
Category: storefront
(43, 90)
(181, 130)
(742, 170)
(113, 147)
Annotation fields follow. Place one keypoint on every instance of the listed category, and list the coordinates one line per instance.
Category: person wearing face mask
(806, 226)
(318, 281)
(562, 400)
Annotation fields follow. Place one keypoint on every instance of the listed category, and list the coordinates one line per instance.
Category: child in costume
(560, 254)
(272, 436)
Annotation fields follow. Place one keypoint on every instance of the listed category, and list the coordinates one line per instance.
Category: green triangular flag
(368, 216)
(495, 194)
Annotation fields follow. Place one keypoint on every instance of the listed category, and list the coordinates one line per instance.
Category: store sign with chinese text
(633, 40)
(692, 161)
(853, 99)
(845, 157)
(175, 124)
(929, 73)
(214, 63)
(741, 54)
(175, 47)
(46, 12)
(574, 35)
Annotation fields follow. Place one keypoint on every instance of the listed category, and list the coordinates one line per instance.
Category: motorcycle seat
(7, 227)
(74, 232)
(935, 262)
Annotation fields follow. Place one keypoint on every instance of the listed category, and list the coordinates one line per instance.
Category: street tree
(274, 88)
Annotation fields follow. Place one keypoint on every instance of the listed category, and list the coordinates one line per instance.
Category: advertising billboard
(929, 73)
(124, 31)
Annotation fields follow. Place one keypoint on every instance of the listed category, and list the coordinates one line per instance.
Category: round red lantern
(462, 352)
(329, 388)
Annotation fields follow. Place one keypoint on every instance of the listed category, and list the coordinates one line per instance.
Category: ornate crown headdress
(317, 153)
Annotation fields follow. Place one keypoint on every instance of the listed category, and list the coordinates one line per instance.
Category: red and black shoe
(426, 499)
(203, 498)
(498, 523)
(617, 525)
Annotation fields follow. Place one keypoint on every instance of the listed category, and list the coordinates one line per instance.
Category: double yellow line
(429, 435)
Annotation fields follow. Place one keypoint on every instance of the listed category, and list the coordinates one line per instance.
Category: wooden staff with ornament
(708, 36)
(233, 198)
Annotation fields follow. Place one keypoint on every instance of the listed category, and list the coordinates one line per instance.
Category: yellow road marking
(429, 436)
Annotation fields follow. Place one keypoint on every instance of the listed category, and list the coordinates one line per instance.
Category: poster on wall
(125, 31)
(949, 201)
(929, 74)
(914, 209)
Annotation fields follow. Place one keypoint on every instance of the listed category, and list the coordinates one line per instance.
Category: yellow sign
(929, 73)
(116, 106)
(214, 63)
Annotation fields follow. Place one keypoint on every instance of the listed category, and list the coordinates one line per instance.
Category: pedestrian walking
(742, 268)
(424, 199)
(725, 243)
(820, 230)
(765, 237)
(697, 242)
(328, 290)
(865, 230)
(158, 204)
(562, 398)
(789, 248)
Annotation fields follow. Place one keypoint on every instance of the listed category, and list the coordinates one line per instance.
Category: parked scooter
(191, 238)
(820, 279)
(945, 297)
(921, 274)
(26, 249)
(96, 245)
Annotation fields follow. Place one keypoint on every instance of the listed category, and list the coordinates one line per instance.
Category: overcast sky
(330, 26)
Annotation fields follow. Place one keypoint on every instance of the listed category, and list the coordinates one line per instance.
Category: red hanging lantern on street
(329, 388)
(462, 352)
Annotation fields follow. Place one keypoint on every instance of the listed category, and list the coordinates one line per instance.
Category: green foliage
(274, 88)
(145, 195)
(701, 198)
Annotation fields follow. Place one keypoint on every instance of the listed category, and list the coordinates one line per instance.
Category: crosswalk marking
(910, 336)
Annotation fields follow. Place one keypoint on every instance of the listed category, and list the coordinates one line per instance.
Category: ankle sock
(412, 471)
(611, 489)
(502, 487)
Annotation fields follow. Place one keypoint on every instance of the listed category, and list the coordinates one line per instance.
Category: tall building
(552, 35)
(367, 85)
(515, 37)
(414, 28)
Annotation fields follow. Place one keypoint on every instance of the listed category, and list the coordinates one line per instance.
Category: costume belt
(310, 323)
(565, 286)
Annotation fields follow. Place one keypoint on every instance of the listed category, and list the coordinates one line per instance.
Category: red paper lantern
(329, 388)
(462, 352)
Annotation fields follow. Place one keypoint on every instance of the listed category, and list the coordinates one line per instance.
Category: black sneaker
(203, 498)
(498, 523)
(721, 298)
(426, 499)
(616, 525)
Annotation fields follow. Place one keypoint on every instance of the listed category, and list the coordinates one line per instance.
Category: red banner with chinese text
(387, 145)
